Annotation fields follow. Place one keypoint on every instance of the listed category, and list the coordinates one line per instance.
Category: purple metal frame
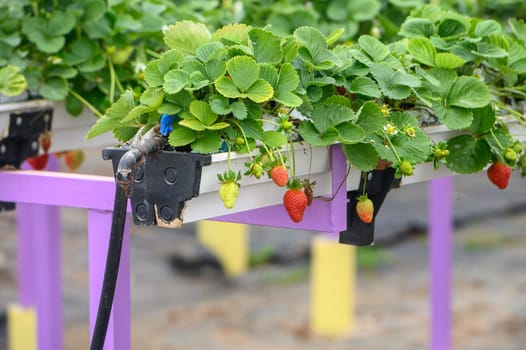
(440, 240)
(39, 263)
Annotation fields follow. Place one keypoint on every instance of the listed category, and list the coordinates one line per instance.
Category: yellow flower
(410, 131)
(384, 110)
(390, 129)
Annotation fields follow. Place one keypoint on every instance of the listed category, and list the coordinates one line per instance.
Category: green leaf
(422, 50)
(61, 23)
(125, 134)
(169, 108)
(267, 46)
(483, 120)
(394, 84)
(252, 128)
(233, 33)
(467, 155)
(445, 77)
(370, 118)
(328, 115)
(153, 75)
(453, 117)
(448, 60)
(288, 79)
(468, 92)
(152, 97)
(175, 80)
(453, 27)
(417, 27)
(218, 126)
(215, 69)
(220, 105)
(363, 10)
(208, 50)
(226, 87)
(103, 125)
(374, 48)
(122, 106)
(239, 110)
(54, 89)
(126, 22)
(350, 133)
(365, 86)
(203, 112)
(208, 142)
(181, 137)
(518, 27)
(288, 99)
(313, 40)
(12, 82)
(269, 73)
(274, 139)
(487, 27)
(170, 59)
(193, 124)
(309, 133)
(244, 71)
(260, 91)
(489, 50)
(93, 10)
(62, 71)
(363, 156)
(73, 106)
(186, 36)
(136, 112)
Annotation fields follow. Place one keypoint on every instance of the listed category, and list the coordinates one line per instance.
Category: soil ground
(178, 304)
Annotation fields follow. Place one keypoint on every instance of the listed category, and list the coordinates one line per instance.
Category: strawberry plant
(250, 90)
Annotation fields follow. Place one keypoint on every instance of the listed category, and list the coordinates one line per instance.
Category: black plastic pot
(378, 184)
(162, 184)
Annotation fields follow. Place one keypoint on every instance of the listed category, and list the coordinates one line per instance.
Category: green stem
(86, 103)
(268, 121)
(228, 157)
(34, 4)
(518, 116)
(392, 147)
(292, 157)
(245, 138)
(269, 152)
(364, 183)
(496, 139)
(111, 94)
(152, 53)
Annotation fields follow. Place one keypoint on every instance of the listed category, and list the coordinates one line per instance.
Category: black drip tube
(123, 177)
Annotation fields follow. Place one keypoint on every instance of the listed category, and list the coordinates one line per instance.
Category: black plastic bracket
(22, 139)
(162, 184)
(378, 184)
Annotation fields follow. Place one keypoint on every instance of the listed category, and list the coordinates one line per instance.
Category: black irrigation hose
(112, 269)
(128, 162)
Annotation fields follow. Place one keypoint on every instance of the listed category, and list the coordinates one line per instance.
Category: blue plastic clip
(166, 123)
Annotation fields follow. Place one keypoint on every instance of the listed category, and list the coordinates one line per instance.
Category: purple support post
(39, 267)
(338, 206)
(118, 336)
(440, 231)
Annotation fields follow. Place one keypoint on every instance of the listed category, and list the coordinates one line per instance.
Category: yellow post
(229, 242)
(333, 279)
(21, 328)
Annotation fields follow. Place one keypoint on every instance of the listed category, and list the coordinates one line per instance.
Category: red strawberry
(280, 175)
(38, 162)
(499, 174)
(365, 209)
(295, 201)
(45, 141)
(74, 158)
(341, 90)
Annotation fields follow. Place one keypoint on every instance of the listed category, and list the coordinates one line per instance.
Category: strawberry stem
(245, 138)
(496, 139)
(392, 146)
(364, 175)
